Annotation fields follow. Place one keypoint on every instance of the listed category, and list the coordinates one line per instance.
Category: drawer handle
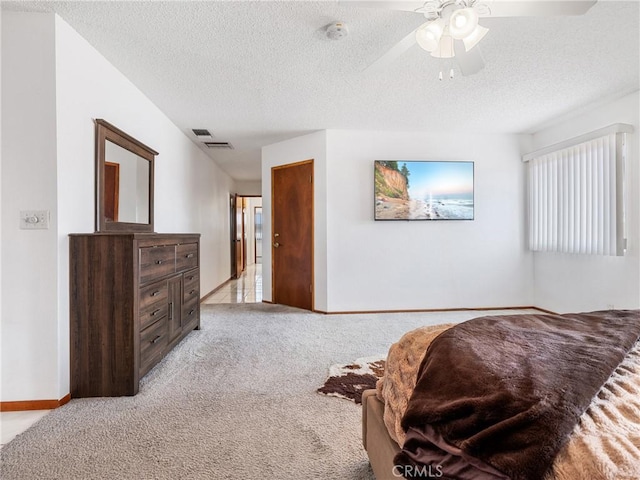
(192, 292)
(191, 312)
(158, 262)
(191, 277)
(154, 313)
(189, 255)
(156, 293)
(155, 340)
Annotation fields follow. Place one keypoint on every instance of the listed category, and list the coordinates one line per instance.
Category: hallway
(246, 289)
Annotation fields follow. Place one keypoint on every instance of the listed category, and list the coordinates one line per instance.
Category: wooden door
(111, 190)
(236, 228)
(292, 231)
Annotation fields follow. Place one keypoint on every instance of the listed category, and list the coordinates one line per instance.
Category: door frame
(313, 230)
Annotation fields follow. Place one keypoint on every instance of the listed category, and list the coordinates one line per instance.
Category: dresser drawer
(154, 293)
(191, 286)
(192, 277)
(153, 342)
(153, 312)
(186, 256)
(190, 312)
(156, 262)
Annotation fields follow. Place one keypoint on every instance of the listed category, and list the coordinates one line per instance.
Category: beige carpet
(234, 400)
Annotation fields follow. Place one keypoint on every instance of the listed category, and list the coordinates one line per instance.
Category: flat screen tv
(423, 190)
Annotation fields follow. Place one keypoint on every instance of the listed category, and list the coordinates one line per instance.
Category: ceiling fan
(452, 30)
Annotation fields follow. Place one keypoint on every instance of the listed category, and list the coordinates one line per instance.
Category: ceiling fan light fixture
(463, 22)
(473, 39)
(429, 34)
(445, 48)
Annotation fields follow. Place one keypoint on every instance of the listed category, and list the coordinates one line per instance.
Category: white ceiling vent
(219, 145)
(201, 132)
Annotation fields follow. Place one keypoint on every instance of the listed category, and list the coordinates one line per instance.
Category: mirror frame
(105, 131)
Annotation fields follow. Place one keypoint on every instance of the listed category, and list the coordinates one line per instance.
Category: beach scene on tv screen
(423, 190)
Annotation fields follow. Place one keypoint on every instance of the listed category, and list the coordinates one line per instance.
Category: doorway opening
(245, 282)
(246, 232)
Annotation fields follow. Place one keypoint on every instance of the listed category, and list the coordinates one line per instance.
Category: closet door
(292, 245)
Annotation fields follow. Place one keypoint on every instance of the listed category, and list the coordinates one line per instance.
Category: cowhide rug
(350, 380)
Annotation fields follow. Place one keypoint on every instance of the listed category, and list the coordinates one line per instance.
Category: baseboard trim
(418, 310)
(431, 310)
(202, 299)
(24, 405)
(543, 310)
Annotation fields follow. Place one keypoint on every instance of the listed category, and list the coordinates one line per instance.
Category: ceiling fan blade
(536, 8)
(496, 8)
(406, 6)
(469, 62)
(395, 52)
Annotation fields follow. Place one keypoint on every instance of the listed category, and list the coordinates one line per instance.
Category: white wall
(565, 282)
(397, 265)
(311, 146)
(365, 265)
(246, 187)
(56, 172)
(29, 257)
(142, 191)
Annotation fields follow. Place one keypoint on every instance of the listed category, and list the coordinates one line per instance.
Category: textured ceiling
(254, 73)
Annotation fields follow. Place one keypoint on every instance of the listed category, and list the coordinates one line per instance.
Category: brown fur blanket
(497, 397)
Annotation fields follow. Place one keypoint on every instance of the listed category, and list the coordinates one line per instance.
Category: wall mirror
(124, 181)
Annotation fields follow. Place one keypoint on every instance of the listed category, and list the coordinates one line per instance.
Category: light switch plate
(34, 219)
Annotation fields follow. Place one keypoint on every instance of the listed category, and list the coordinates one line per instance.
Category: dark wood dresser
(133, 297)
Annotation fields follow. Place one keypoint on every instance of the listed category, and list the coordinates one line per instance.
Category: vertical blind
(576, 198)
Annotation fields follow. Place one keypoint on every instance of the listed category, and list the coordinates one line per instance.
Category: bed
(521, 397)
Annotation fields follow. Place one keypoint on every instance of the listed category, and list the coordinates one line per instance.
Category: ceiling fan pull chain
(446, 65)
(441, 73)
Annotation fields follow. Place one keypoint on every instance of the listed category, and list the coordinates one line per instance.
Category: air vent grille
(218, 145)
(201, 132)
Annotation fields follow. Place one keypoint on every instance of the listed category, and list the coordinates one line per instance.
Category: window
(575, 199)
